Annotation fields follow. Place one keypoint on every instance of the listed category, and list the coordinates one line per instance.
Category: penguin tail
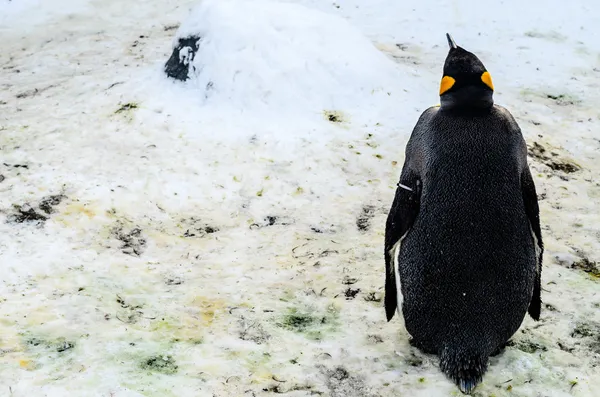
(465, 368)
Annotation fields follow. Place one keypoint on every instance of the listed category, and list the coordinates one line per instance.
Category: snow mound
(282, 56)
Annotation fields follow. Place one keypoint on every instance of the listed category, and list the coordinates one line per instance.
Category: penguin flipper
(533, 213)
(400, 219)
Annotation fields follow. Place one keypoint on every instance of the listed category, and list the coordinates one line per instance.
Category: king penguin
(463, 245)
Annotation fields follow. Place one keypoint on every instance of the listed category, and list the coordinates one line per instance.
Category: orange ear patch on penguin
(446, 84)
(487, 79)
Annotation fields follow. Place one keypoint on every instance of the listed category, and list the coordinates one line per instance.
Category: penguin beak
(451, 42)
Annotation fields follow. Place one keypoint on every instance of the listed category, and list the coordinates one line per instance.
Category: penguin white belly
(537, 250)
(399, 298)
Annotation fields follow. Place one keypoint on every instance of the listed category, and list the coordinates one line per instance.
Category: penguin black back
(463, 242)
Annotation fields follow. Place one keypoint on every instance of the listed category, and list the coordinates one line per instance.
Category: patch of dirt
(374, 339)
(334, 116)
(35, 213)
(64, 345)
(173, 280)
(271, 220)
(373, 297)
(342, 384)
(583, 330)
(126, 107)
(331, 229)
(589, 333)
(252, 331)
(26, 213)
(406, 59)
(363, 222)
(33, 92)
(196, 228)
(414, 360)
(48, 203)
(163, 364)
(16, 165)
(133, 243)
(351, 293)
(526, 346)
(312, 323)
(298, 321)
(564, 347)
(587, 266)
(129, 313)
(59, 345)
(280, 388)
(552, 159)
(563, 100)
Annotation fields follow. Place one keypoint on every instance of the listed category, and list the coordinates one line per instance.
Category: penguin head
(466, 84)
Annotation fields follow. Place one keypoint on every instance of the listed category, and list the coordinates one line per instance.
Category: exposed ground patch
(48, 203)
(133, 242)
(162, 364)
(351, 293)
(343, 384)
(126, 107)
(59, 345)
(589, 335)
(527, 346)
(252, 330)
(195, 227)
(310, 322)
(37, 213)
(128, 313)
(587, 266)
(563, 99)
(552, 159)
(271, 220)
(363, 222)
(334, 116)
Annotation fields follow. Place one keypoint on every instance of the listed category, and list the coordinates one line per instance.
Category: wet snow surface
(223, 236)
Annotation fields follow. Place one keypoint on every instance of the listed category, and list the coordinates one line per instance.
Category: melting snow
(174, 241)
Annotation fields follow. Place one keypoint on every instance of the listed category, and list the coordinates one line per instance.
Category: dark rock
(178, 65)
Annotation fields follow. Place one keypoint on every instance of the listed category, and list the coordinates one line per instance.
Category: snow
(31, 13)
(85, 106)
(287, 59)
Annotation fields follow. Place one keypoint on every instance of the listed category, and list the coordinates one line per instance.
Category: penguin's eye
(487, 80)
(446, 84)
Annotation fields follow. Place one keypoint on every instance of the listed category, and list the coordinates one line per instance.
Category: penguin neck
(469, 99)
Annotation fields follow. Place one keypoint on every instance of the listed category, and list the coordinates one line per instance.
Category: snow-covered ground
(228, 241)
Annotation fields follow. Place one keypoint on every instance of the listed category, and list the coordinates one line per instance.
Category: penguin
(463, 244)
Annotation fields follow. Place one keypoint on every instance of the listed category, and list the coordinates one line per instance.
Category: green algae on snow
(311, 322)
(163, 364)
